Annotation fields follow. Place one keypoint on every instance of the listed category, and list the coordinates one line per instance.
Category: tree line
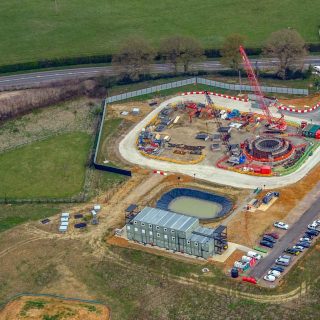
(136, 55)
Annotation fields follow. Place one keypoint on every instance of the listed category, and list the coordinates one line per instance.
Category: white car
(269, 278)
(281, 225)
(298, 248)
(274, 273)
(305, 239)
(255, 255)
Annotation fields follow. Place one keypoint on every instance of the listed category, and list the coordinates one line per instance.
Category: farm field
(44, 30)
(50, 168)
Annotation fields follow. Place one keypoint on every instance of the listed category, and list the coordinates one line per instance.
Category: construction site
(230, 133)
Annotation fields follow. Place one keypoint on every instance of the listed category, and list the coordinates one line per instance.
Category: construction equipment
(273, 124)
(225, 136)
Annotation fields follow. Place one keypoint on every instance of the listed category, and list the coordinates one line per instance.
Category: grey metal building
(176, 232)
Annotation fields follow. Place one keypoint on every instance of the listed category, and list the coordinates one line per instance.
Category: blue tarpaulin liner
(165, 200)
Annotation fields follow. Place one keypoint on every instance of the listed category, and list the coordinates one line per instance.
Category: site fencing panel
(211, 83)
(161, 87)
(237, 87)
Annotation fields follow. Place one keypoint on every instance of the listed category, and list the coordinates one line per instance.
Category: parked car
(303, 244)
(268, 238)
(266, 243)
(254, 255)
(300, 248)
(292, 251)
(273, 235)
(282, 262)
(313, 232)
(269, 277)
(285, 256)
(277, 268)
(274, 273)
(307, 235)
(313, 227)
(305, 239)
(281, 225)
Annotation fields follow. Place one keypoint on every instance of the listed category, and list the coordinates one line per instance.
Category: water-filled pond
(197, 203)
(202, 209)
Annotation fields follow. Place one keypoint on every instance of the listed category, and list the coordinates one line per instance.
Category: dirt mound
(38, 308)
(302, 103)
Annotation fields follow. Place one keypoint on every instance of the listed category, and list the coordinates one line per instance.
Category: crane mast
(278, 124)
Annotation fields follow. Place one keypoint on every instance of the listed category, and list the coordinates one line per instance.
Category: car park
(267, 244)
(277, 268)
(292, 251)
(269, 278)
(274, 273)
(268, 238)
(281, 225)
(274, 235)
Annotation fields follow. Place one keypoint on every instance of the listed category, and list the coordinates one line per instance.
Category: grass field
(51, 168)
(49, 29)
(12, 215)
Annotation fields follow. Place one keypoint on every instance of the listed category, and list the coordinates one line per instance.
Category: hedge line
(107, 58)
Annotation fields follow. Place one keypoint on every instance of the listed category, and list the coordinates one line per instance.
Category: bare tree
(230, 54)
(289, 48)
(134, 57)
(179, 49)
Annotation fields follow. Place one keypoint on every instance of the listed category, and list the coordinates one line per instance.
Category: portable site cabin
(311, 131)
(64, 219)
(65, 215)
(63, 228)
(64, 223)
(135, 111)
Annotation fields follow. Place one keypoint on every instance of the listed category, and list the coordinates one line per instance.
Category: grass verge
(53, 168)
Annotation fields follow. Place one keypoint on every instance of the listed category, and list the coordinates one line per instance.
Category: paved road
(290, 238)
(29, 79)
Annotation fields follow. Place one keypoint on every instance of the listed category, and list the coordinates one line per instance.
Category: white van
(255, 255)
(316, 70)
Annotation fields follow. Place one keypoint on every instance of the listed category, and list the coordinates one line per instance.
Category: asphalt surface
(290, 238)
(35, 78)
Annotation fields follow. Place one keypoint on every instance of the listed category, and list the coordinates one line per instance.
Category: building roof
(163, 218)
(202, 238)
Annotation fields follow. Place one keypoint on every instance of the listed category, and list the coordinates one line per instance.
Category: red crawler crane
(274, 124)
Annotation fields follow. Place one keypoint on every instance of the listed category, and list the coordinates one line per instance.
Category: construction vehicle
(273, 124)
